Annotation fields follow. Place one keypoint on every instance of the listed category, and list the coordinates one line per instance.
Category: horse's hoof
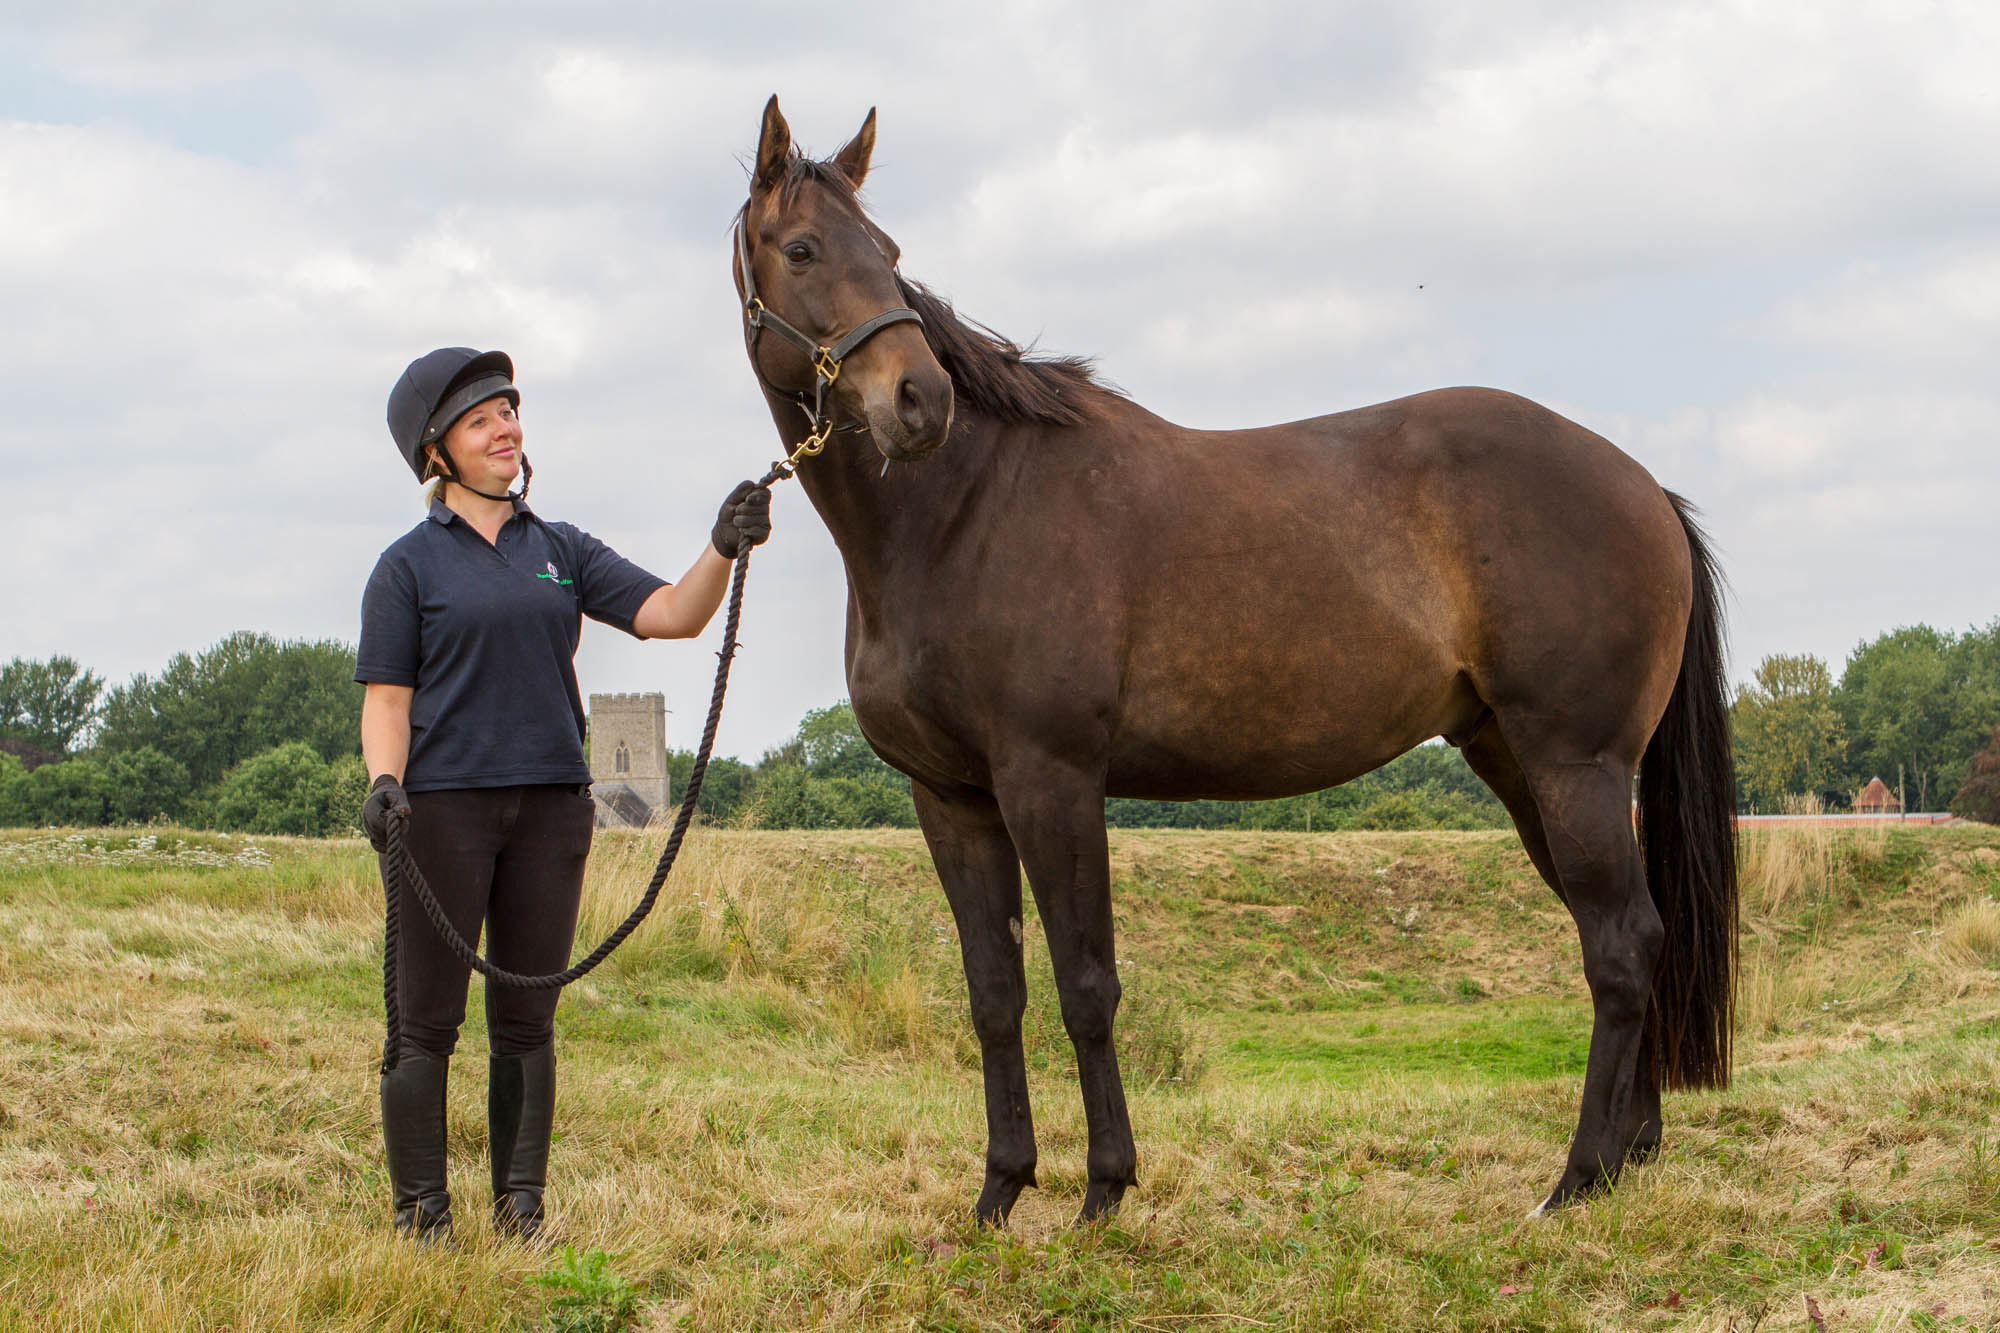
(1568, 1192)
(1100, 1201)
(996, 1201)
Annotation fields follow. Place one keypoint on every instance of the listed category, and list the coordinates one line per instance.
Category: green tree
(826, 776)
(787, 797)
(1130, 812)
(13, 779)
(72, 792)
(47, 703)
(245, 695)
(724, 787)
(866, 803)
(832, 746)
(145, 784)
(1923, 699)
(1789, 735)
(350, 793)
(1979, 795)
(287, 789)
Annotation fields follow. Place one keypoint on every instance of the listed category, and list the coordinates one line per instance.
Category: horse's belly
(1249, 726)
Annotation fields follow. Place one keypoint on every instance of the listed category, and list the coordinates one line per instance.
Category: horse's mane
(998, 376)
(990, 373)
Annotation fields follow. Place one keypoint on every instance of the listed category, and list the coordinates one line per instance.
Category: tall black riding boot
(413, 1134)
(520, 1113)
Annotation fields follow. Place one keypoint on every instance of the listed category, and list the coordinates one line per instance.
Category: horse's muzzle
(917, 416)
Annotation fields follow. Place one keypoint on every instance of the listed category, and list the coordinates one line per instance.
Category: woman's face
(485, 445)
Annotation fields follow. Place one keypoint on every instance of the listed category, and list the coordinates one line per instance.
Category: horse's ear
(852, 159)
(774, 146)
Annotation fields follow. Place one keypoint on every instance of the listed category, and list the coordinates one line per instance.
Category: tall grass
(1795, 868)
(771, 1117)
(844, 939)
(1971, 934)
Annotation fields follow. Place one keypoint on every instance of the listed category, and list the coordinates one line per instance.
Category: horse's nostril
(910, 407)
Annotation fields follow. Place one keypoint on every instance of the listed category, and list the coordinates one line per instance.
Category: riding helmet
(440, 387)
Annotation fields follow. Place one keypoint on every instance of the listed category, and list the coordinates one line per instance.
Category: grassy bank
(1354, 1062)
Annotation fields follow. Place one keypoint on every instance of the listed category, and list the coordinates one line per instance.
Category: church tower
(628, 758)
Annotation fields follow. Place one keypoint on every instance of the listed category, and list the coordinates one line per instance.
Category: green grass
(1498, 1042)
(1353, 1062)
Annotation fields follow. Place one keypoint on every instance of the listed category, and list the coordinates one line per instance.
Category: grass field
(1354, 1062)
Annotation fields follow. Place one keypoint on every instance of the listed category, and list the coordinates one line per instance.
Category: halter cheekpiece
(826, 359)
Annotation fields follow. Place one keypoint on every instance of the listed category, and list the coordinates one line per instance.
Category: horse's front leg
(982, 879)
(1056, 816)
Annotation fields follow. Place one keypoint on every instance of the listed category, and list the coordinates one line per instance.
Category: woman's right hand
(385, 798)
(744, 520)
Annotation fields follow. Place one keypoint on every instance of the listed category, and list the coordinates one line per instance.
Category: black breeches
(510, 859)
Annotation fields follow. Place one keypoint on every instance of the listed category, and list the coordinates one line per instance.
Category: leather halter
(825, 359)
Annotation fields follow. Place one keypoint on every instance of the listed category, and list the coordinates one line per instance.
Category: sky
(1757, 245)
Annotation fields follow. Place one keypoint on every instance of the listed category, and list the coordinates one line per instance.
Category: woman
(472, 723)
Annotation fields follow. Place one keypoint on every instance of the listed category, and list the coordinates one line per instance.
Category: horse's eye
(799, 255)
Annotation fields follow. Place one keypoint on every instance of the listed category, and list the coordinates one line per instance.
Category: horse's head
(820, 274)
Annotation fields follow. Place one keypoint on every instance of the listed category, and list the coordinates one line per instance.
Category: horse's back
(1313, 598)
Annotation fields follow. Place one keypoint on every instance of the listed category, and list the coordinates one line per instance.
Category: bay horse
(1073, 598)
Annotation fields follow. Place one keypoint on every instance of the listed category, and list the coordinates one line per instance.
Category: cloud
(1932, 315)
(1749, 243)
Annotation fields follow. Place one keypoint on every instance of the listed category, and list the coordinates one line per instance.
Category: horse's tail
(1687, 827)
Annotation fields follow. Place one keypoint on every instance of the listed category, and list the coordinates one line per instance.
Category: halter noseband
(825, 359)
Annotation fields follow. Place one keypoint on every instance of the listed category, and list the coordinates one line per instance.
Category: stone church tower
(628, 758)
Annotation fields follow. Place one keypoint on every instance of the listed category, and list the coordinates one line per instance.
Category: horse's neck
(882, 518)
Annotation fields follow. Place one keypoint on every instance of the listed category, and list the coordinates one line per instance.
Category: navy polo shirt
(486, 634)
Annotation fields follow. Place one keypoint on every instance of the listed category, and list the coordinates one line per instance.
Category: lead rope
(399, 867)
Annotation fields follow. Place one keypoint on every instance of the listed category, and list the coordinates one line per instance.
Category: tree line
(253, 734)
(261, 735)
(826, 776)
(1917, 707)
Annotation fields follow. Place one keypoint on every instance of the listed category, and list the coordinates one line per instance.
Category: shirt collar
(440, 513)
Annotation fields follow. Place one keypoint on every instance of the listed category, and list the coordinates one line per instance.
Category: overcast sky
(1755, 244)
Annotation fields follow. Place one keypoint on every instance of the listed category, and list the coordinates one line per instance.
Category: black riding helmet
(436, 390)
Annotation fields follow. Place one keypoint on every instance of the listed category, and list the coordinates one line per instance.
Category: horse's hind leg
(1488, 755)
(982, 879)
(1056, 816)
(1585, 803)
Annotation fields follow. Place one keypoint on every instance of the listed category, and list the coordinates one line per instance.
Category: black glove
(744, 520)
(385, 797)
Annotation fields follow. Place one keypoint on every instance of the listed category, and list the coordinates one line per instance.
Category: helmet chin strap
(450, 474)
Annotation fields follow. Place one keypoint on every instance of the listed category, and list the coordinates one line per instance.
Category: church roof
(626, 804)
(1877, 796)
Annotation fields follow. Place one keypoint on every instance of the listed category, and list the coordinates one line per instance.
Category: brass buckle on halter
(825, 366)
(753, 311)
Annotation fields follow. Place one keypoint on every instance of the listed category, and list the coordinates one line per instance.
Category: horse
(1058, 596)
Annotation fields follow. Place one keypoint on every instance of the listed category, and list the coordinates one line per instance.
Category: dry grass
(1971, 934)
(771, 1119)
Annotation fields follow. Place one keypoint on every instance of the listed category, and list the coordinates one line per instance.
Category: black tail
(1687, 826)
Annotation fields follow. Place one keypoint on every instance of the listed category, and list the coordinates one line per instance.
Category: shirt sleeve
(611, 588)
(390, 647)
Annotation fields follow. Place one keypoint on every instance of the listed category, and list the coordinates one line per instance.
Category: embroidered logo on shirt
(552, 574)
